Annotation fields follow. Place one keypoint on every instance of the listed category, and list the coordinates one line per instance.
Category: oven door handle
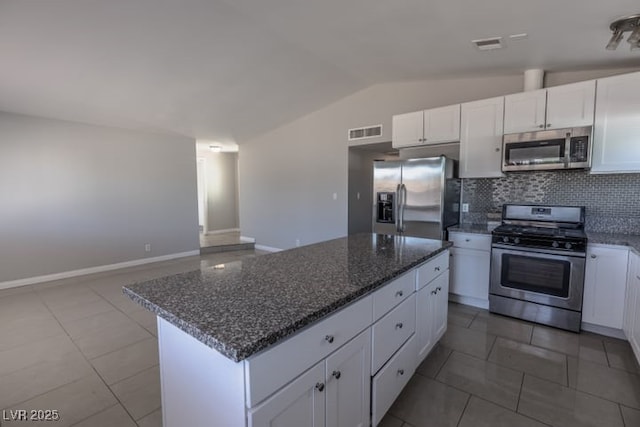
(520, 250)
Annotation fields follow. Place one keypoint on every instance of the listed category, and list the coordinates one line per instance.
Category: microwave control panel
(579, 149)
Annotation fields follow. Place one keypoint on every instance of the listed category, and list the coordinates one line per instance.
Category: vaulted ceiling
(230, 70)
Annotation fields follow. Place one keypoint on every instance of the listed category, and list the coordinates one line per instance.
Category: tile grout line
(466, 405)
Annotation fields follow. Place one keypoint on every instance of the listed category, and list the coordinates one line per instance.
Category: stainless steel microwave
(568, 148)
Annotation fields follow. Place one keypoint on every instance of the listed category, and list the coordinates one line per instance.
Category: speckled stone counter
(471, 228)
(252, 304)
(631, 240)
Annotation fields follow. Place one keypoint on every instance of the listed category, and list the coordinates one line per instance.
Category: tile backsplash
(612, 202)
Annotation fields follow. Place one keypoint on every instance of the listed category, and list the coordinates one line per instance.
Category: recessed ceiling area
(230, 70)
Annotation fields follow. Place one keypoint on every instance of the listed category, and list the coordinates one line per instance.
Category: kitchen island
(253, 343)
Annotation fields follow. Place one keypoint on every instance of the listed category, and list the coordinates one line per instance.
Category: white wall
(288, 175)
(75, 196)
(221, 175)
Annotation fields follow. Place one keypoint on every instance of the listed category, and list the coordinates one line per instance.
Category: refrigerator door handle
(403, 192)
(397, 207)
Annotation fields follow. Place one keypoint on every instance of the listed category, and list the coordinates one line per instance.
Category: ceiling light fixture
(620, 26)
(215, 148)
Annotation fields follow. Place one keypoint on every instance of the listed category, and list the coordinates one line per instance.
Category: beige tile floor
(81, 347)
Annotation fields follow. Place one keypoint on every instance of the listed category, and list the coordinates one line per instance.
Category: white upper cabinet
(557, 107)
(434, 126)
(481, 138)
(616, 146)
(407, 129)
(524, 112)
(571, 105)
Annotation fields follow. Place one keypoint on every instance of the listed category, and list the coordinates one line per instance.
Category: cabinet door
(481, 138)
(524, 112)
(407, 130)
(470, 273)
(630, 297)
(349, 383)
(439, 306)
(604, 286)
(424, 328)
(301, 403)
(571, 105)
(635, 327)
(442, 124)
(617, 125)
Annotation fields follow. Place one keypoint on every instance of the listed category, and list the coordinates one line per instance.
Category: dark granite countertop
(471, 228)
(631, 240)
(252, 304)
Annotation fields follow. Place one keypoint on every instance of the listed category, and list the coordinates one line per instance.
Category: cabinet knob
(434, 292)
(467, 240)
(399, 325)
(548, 125)
(336, 374)
(437, 269)
(497, 149)
(400, 371)
(593, 256)
(541, 126)
(399, 293)
(329, 338)
(319, 386)
(438, 289)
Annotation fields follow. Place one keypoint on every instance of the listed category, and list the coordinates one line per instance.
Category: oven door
(544, 277)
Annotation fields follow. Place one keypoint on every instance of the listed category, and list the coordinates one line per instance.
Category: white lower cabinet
(431, 314)
(300, 403)
(387, 384)
(632, 307)
(470, 268)
(348, 384)
(605, 286)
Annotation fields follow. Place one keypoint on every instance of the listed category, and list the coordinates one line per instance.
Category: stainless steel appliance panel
(387, 177)
(422, 194)
(544, 277)
(553, 316)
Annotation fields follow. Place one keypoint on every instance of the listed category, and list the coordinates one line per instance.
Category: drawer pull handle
(399, 325)
(433, 292)
(399, 293)
(467, 240)
(336, 374)
(400, 371)
(437, 269)
(329, 338)
(438, 289)
(319, 386)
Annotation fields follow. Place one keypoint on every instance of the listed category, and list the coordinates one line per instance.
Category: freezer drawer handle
(329, 338)
(399, 294)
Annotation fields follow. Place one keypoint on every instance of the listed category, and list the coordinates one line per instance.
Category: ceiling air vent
(488, 44)
(365, 132)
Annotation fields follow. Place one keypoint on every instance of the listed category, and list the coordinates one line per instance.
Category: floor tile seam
(575, 389)
(466, 405)
(137, 373)
(159, 407)
(97, 413)
(634, 373)
(90, 360)
(493, 345)
(38, 363)
(509, 368)
(52, 390)
(444, 363)
(624, 423)
(469, 393)
(518, 413)
(100, 329)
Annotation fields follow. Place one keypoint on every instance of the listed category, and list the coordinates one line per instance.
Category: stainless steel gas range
(537, 264)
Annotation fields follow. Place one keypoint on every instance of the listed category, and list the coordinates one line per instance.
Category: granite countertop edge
(470, 228)
(238, 354)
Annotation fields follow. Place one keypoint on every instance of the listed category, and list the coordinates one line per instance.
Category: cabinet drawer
(393, 294)
(391, 379)
(390, 332)
(432, 269)
(268, 371)
(471, 240)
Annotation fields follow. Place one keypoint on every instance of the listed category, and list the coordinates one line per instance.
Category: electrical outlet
(297, 242)
(465, 207)
(147, 247)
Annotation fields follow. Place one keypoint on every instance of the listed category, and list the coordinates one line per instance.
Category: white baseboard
(93, 270)
(246, 239)
(474, 302)
(603, 330)
(268, 248)
(227, 230)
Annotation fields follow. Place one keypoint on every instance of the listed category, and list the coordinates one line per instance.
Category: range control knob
(555, 244)
(568, 245)
(505, 239)
(516, 240)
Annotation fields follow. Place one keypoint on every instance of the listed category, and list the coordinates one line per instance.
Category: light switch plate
(465, 207)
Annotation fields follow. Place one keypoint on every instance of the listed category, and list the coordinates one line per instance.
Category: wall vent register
(365, 132)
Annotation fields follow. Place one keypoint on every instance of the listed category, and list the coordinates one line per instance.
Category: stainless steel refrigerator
(415, 197)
